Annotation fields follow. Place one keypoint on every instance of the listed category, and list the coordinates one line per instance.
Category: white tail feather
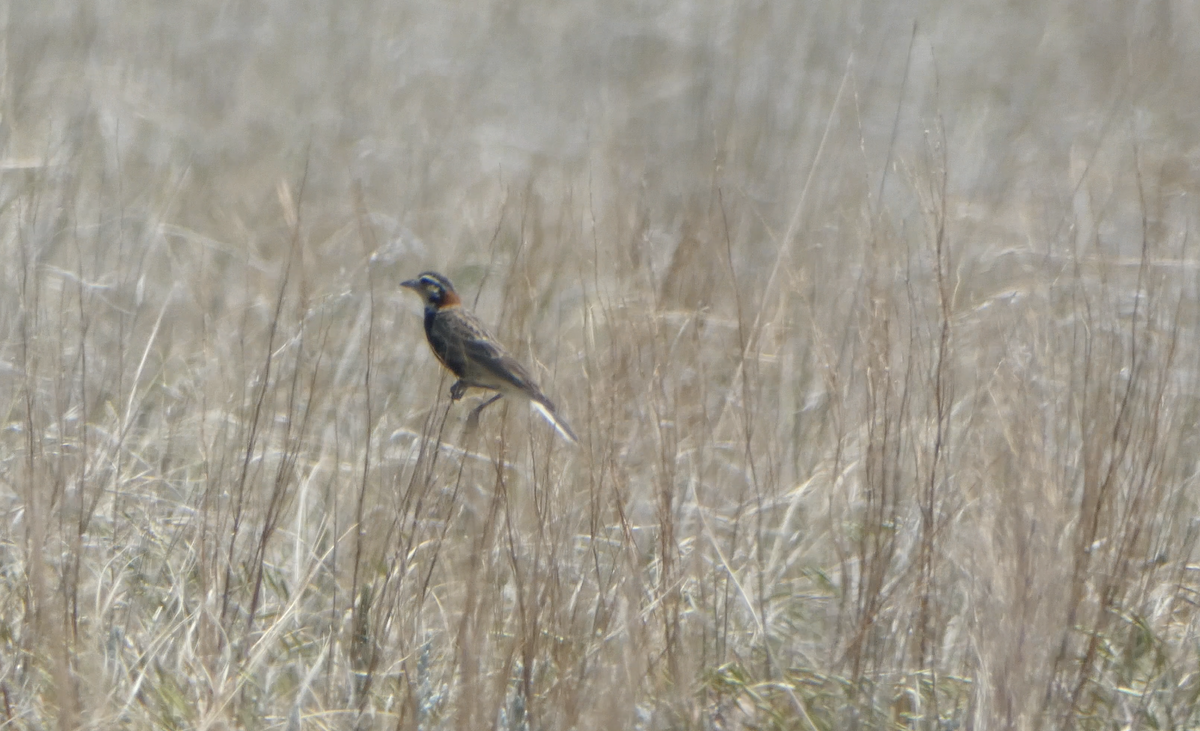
(556, 421)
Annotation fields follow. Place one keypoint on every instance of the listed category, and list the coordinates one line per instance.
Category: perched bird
(463, 345)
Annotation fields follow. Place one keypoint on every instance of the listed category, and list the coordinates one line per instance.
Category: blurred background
(438, 109)
(876, 319)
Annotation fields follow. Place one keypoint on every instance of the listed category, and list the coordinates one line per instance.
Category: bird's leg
(475, 411)
(473, 417)
(458, 389)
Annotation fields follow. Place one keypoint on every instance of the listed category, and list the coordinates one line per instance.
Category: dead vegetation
(887, 405)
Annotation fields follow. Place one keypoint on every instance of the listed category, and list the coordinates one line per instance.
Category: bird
(463, 345)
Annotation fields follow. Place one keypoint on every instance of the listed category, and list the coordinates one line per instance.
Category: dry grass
(881, 346)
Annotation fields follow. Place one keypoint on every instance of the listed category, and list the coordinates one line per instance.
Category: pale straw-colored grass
(880, 342)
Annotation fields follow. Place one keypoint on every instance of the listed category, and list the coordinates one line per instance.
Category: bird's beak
(411, 284)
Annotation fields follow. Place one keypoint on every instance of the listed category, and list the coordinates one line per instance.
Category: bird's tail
(546, 409)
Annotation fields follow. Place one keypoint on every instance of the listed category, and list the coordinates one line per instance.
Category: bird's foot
(472, 422)
(473, 417)
(457, 390)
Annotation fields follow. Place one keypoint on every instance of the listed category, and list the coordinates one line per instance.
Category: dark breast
(446, 344)
(461, 343)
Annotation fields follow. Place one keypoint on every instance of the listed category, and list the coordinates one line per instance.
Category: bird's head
(435, 290)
